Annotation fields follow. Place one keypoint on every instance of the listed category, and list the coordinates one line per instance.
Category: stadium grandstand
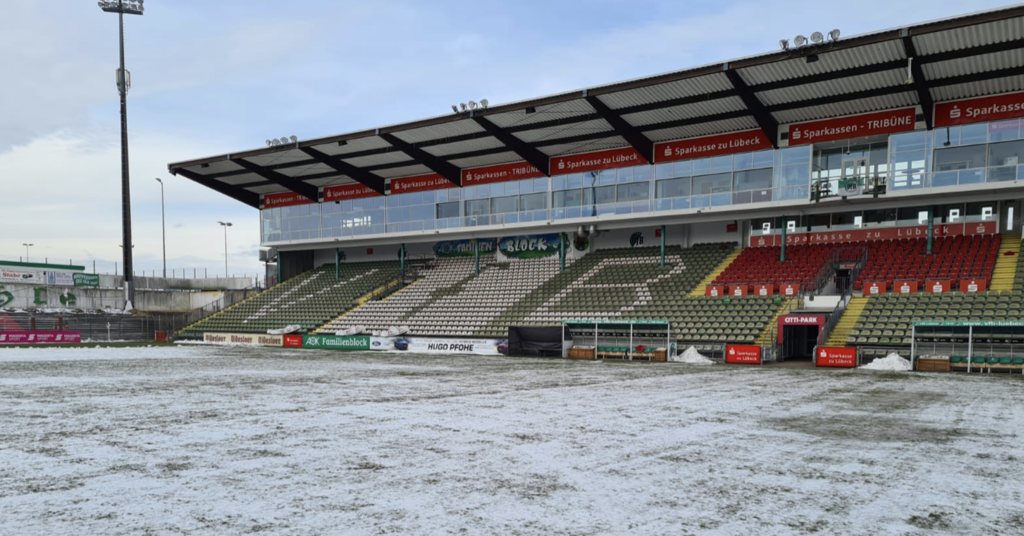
(854, 186)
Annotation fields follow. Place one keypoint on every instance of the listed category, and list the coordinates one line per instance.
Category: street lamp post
(225, 225)
(163, 224)
(122, 7)
(26, 250)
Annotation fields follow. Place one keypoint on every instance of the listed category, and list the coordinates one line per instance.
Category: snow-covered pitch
(205, 440)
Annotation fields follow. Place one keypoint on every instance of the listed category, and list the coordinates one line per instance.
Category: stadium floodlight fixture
(270, 143)
(26, 250)
(293, 139)
(799, 40)
(463, 106)
(834, 35)
(484, 103)
(225, 225)
(784, 44)
(284, 140)
(455, 108)
(128, 7)
(472, 105)
(817, 37)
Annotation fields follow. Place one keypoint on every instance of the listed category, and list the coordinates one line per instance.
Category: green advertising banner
(529, 246)
(86, 280)
(462, 248)
(332, 342)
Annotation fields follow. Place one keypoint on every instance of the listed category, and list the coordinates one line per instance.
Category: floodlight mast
(122, 7)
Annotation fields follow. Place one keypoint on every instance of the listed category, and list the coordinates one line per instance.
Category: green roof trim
(969, 323)
(616, 321)
(43, 266)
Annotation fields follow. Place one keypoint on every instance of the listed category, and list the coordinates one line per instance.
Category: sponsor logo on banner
(331, 342)
(734, 142)
(500, 173)
(249, 339)
(64, 279)
(968, 111)
(529, 246)
(612, 158)
(799, 320)
(874, 288)
(905, 287)
(40, 337)
(419, 183)
(737, 290)
(836, 356)
(18, 276)
(938, 286)
(292, 341)
(462, 248)
(855, 126)
(348, 191)
(285, 199)
(737, 353)
(714, 291)
(85, 280)
(868, 235)
(764, 290)
(453, 346)
(789, 289)
(973, 285)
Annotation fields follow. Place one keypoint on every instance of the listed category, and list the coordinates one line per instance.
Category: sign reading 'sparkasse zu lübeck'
(612, 158)
(733, 142)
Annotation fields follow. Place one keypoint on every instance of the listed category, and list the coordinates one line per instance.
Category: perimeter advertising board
(612, 158)
(500, 173)
(836, 356)
(332, 342)
(973, 285)
(19, 276)
(855, 126)
(722, 144)
(938, 286)
(419, 183)
(64, 279)
(968, 111)
(40, 337)
(285, 199)
(743, 354)
(348, 191)
(878, 233)
(247, 339)
(86, 280)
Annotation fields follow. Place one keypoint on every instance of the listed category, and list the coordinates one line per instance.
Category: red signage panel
(419, 183)
(874, 288)
(40, 337)
(789, 289)
(293, 341)
(733, 142)
(905, 287)
(836, 356)
(968, 111)
(500, 173)
(973, 285)
(856, 126)
(938, 286)
(738, 290)
(714, 291)
(612, 158)
(743, 354)
(799, 320)
(285, 199)
(764, 290)
(348, 191)
(879, 233)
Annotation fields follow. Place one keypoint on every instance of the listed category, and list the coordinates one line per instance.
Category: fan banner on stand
(743, 354)
(463, 248)
(836, 356)
(881, 233)
(938, 286)
(973, 285)
(529, 246)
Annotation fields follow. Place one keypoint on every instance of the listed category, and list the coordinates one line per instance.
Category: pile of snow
(693, 357)
(892, 362)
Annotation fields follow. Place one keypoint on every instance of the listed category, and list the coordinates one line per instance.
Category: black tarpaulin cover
(530, 340)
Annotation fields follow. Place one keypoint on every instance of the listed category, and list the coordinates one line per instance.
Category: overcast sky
(216, 77)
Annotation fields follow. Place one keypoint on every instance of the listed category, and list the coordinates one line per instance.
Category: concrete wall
(703, 233)
(91, 299)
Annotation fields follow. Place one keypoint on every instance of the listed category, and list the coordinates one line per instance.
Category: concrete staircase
(698, 291)
(1005, 271)
(766, 336)
(846, 324)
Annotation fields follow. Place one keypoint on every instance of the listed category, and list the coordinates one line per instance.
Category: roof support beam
(538, 159)
(371, 181)
(296, 185)
(768, 124)
(918, 82)
(433, 163)
(634, 137)
(234, 192)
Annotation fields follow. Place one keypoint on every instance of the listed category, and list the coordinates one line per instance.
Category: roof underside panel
(486, 160)
(478, 144)
(686, 111)
(828, 61)
(975, 64)
(340, 180)
(873, 104)
(378, 159)
(829, 88)
(245, 178)
(970, 36)
(562, 110)
(690, 87)
(437, 132)
(978, 89)
(352, 146)
(564, 131)
(291, 155)
(703, 129)
(405, 171)
(222, 166)
(612, 142)
(311, 169)
(266, 189)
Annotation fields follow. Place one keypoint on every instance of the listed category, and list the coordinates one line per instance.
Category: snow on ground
(208, 440)
(892, 362)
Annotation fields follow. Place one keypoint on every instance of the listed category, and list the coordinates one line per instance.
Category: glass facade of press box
(963, 155)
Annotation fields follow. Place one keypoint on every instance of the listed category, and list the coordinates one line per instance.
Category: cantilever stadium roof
(967, 56)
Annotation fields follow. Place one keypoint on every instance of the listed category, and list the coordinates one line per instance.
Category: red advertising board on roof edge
(854, 126)
(720, 144)
(608, 159)
(285, 199)
(500, 173)
(994, 108)
(419, 183)
(348, 191)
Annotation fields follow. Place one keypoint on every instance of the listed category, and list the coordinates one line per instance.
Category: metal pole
(662, 246)
(126, 205)
(970, 347)
(401, 259)
(782, 258)
(931, 228)
(561, 251)
(476, 253)
(225, 251)
(337, 264)
(163, 226)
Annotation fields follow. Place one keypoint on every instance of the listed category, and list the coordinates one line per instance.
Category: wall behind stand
(380, 253)
(293, 263)
(703, 233)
